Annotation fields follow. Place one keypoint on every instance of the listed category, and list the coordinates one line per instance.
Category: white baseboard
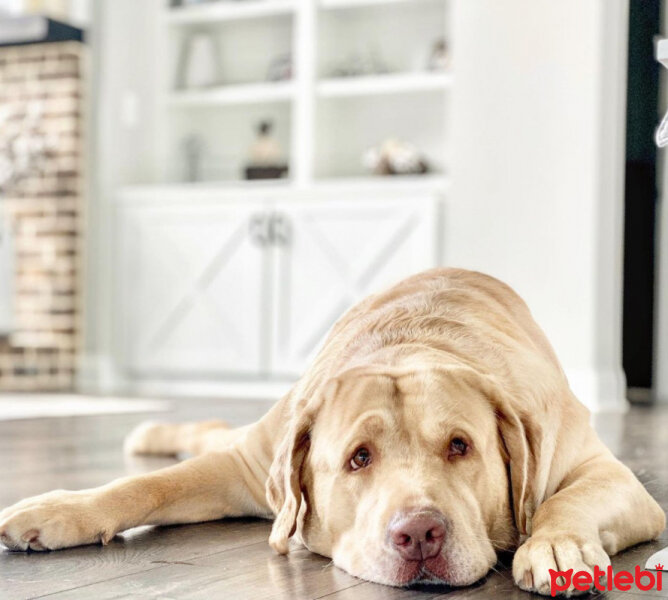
(98, 375)
(600, 390)
(241, 390)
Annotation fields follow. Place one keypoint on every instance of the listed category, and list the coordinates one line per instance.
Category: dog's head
(406, 477)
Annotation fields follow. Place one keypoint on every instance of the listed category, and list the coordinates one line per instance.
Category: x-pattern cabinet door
(329, 255)
(193, 290)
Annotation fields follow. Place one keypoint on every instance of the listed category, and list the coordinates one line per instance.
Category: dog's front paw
(58, 519)
(558, 552)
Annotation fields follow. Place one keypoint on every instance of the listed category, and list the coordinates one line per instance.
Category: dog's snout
(417, 535)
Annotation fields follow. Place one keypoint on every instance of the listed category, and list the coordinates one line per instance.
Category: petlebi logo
(603, 580)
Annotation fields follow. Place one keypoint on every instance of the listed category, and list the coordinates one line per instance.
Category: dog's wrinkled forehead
(423, 403)
(355, 394)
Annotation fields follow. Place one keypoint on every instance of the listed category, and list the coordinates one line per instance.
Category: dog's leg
(170, 439)
(600, 509)
(207, 487)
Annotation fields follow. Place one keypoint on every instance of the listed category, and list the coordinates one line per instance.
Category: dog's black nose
(417, 535)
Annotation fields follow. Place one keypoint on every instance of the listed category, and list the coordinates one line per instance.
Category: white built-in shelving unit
(323, 122)
(224, 283)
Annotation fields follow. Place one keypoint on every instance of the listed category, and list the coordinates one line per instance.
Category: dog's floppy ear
(540, 429)
(284, 485)
(284, 492)
(522, 447)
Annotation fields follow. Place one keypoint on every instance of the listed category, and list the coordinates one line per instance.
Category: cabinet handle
(280, 230)
(259, 229)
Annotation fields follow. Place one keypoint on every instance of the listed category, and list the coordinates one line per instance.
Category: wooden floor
(230, 559)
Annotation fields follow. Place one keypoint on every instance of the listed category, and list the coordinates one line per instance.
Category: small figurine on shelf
(439, 57)
(266, 157)
(280, 68)
(366, 62)
(394, 157)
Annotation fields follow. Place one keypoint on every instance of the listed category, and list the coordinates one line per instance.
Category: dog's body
(434, 428)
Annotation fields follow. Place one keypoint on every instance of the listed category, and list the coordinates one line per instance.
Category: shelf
(227, 10)
(336, 4)
(374, 85)
(436, 182)
(248, 93)
(431, 181)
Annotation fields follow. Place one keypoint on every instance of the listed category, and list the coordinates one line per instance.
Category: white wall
(537, 198)
(121, 141)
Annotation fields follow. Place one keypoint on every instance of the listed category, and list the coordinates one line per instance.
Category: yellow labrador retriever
(434, 429)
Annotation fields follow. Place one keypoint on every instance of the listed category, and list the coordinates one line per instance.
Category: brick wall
(44, 208)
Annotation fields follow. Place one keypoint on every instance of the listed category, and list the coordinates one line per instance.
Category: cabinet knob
(280, 230)
(259, 229)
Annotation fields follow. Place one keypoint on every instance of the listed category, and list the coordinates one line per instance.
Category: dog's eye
(361, 459)
(458, 447)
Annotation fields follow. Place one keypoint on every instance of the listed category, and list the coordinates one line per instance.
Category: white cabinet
(244, 290)
(328, 256)
(192, 290)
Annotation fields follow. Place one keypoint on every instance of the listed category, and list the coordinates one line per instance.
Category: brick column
(45, 209)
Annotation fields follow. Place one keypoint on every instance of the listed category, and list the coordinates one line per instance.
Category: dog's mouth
(432, 571)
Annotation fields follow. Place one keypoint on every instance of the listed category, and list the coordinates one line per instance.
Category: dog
(434, 429)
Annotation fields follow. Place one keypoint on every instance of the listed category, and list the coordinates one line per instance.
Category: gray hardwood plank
(255, 573)
(373, 591)
(140, 549)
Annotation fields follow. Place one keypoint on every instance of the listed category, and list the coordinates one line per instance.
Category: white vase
(201, 64)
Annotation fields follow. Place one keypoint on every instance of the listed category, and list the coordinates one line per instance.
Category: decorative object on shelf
(280, 68)
(439, 58)
(395, 157)
(193, 148)
(358, 64)
(266, 156)
(199, 61)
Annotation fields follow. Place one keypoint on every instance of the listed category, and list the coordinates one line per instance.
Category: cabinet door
(331, 254)
(192, 289)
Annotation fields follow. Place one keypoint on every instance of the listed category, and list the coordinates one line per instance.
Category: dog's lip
(430, 571)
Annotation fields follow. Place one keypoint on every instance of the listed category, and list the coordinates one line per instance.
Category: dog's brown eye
(361, 459)
(458, 447)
